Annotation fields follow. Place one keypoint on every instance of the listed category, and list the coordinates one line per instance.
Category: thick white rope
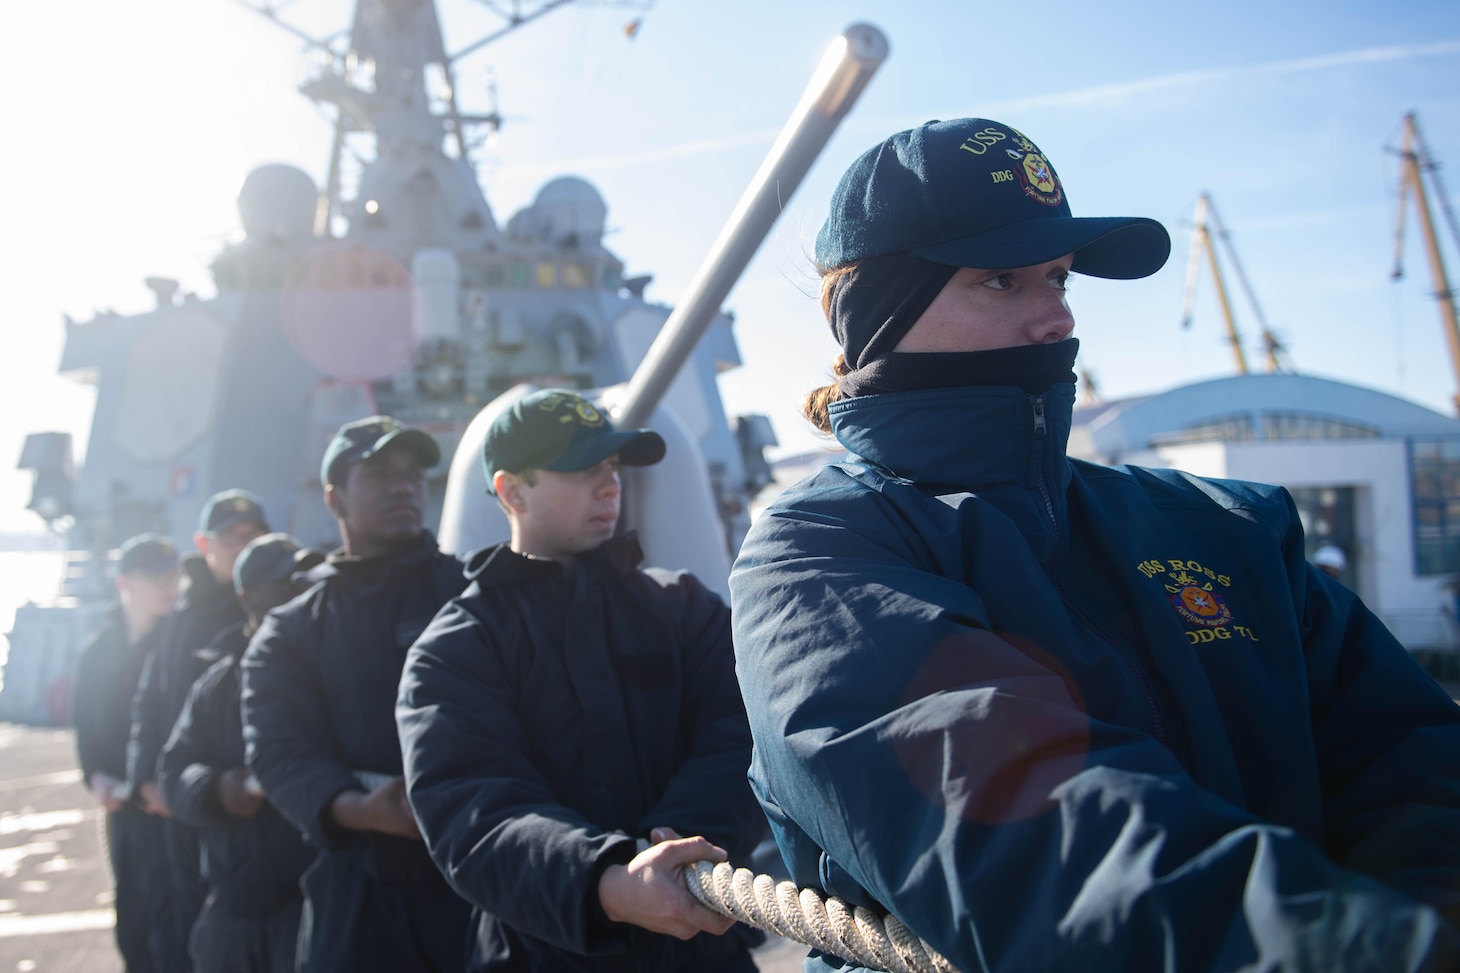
(830, 925)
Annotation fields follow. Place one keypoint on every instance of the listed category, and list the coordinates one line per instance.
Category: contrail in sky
(1119, 91)
(1191, 79)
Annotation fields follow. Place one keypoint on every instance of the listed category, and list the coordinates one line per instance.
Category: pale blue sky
(132, 127)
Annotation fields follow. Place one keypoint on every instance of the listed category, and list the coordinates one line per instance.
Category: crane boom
(1201, 243)
(1206, 224)
(1414, 160)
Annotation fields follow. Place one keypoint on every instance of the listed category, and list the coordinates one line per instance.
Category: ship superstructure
(404, 296)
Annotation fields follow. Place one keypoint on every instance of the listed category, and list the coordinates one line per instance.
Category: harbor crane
(1206, 224)
(1415, 164)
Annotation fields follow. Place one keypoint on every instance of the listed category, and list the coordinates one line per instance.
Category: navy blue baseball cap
(230, 507)
(272, 557)
(363, 438)
(559, 430)
(147, 554)
(976, 193)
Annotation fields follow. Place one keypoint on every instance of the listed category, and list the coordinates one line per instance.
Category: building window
(1302, 425)
(1226, 429)
(547, 275)
(1434, 483)
(1327, 515)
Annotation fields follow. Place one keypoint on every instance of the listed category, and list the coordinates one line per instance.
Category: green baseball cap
(559, 430)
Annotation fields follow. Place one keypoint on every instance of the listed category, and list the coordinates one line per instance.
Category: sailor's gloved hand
(235, 794)
(383, 809)
(649, 891)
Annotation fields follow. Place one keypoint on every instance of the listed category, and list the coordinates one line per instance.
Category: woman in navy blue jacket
(1053, 715)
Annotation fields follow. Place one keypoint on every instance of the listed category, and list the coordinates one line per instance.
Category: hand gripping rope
(830, 925)
(802, 915)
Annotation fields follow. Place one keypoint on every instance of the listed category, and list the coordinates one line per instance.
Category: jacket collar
(997, 442)
(347, 567)
(962, 439)
(499, 565)
(230, 642)
(203, 592)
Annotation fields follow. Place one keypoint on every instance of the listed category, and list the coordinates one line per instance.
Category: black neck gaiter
(1033, 368)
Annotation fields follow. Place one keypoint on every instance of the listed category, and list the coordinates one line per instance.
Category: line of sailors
(562, 727)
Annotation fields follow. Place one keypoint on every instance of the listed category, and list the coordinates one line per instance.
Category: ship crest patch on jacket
(1192, 589)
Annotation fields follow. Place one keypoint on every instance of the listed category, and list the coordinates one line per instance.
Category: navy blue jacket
(252, 865)
(319, 686)
(550, 718)
(1057, 716)
(207, 606)
(106, 682)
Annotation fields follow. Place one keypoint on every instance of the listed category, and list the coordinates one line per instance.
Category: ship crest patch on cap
(572, 408)
(1035, 173)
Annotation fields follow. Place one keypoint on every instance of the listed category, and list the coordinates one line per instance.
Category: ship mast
(1204, 222)
(391, 76)
(1415, 161)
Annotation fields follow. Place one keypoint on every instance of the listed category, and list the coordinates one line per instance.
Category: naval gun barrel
(843, 73)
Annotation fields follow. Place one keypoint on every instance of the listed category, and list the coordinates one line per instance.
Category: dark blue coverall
(319, 688)
(106, 680)
(206, 607)
(551, 718)
(252, 866)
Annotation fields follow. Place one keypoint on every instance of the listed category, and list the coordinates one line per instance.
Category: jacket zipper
(1041, 432)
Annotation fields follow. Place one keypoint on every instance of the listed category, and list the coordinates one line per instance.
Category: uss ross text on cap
(560, 431)
(358, 441)
(972, 192)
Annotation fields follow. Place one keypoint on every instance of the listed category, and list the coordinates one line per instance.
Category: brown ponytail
(817, 400)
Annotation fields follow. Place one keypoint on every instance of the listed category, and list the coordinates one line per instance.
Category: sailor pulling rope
(830, 925)
(801, 915)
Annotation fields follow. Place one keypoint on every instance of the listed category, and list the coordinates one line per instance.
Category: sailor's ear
(334, 499)
(508, 488)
